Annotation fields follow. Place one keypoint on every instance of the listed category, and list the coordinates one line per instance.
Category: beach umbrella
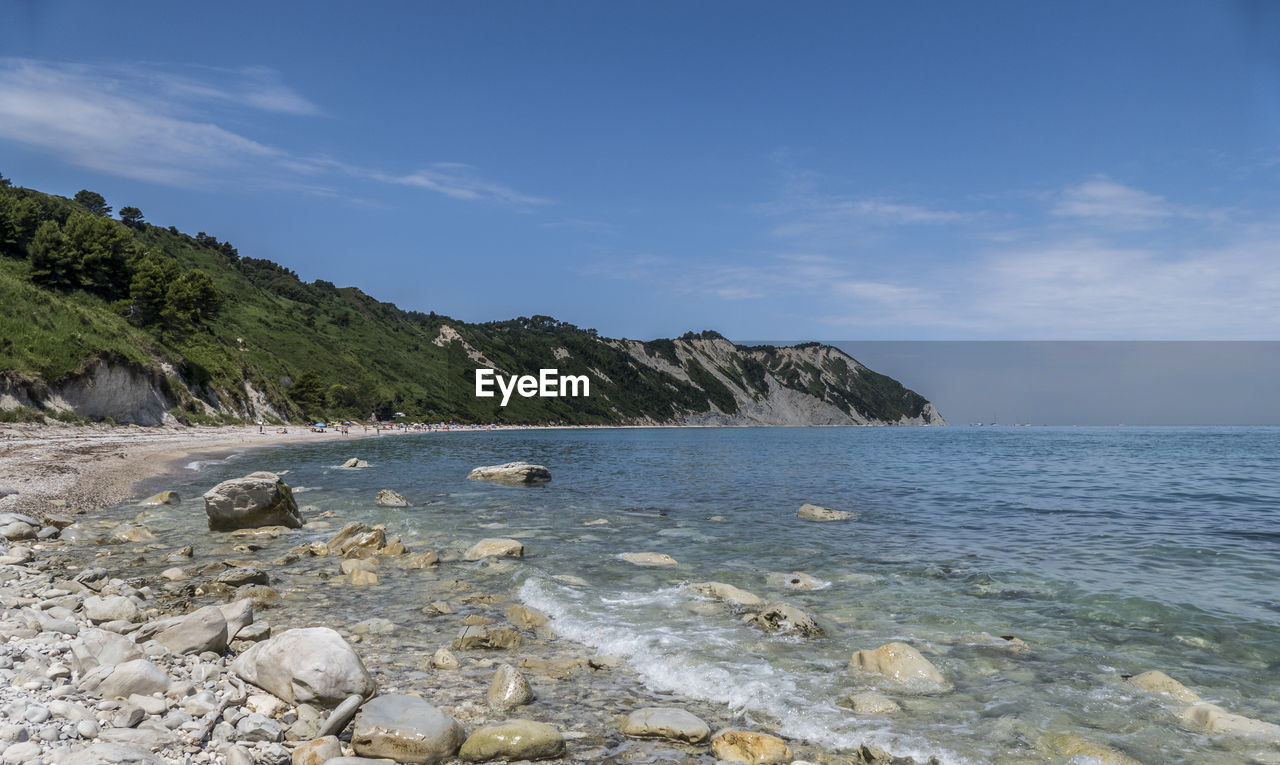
(319, 424)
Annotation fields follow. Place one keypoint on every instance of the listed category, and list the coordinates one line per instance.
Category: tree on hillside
(5, 182)
(131, 217)
(149, 287)
(193, 297)
(103, 249)
(19, 219)
(93, 201)
(308, 393)
(52, 262)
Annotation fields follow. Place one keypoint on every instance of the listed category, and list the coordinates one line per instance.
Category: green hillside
(221, 335)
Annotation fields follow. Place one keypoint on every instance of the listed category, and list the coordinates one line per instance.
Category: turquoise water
(1110, 551)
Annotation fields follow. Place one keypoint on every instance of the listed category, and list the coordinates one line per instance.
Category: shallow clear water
(1108, 550)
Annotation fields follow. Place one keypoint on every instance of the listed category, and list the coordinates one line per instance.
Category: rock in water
(242, 575)
(1213, 719)
(751, 748)
(258, 499)
(495, 548)
(648, 559)
(871, 703)
(389, 498)
(516, 473)
(1158, 682)
(784, 617)
(513, 740)
(816, 513)
(675, 724)
(355, 462)
(727, 593)
(312, 665)
(405, 729)
(357, 540)
(902, 664)
(509, 689)
(1073, 746)
(163, 498)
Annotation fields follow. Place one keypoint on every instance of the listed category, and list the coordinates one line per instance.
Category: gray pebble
(36, 714)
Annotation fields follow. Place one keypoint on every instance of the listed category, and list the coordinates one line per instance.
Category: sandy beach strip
(79, 468)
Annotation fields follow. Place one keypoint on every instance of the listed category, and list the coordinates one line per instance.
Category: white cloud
(142, 122)
(1104, 199)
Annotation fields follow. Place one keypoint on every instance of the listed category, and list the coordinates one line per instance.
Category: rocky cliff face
(802, 385)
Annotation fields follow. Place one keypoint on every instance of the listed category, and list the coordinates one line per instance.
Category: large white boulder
(809, 512)
(312, 665)
(258, 499)
(512, 473)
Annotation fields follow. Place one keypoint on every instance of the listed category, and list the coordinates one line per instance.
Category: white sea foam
(684, 660)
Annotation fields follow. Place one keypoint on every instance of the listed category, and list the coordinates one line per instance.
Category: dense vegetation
(78, 286)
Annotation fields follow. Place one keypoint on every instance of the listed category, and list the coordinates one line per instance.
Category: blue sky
(938, 171)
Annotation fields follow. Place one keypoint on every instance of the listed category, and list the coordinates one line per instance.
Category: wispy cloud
(1105, 199)
(804, 210)
(1179, 275)
(153, 124)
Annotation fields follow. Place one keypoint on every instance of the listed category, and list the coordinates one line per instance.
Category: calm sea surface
(1110, 551)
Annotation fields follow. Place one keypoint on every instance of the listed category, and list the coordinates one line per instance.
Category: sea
(1108, 551)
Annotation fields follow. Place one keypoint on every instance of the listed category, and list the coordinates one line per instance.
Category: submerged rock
(727, 593)
(648, 559)
(495, 548)
(313, 665)
(483, 636)
(816, 513)
(513, 740)
(509, 689)
(1213, 719)
(1158, 682)
(512, 473)
(661, 722)
(1072, 745)
(258, 499)
(163, 498)
(870, 703)
(797, 580)
(750, 748)
(405, 729)
(902, 664)
(389, 498)
(527, 617)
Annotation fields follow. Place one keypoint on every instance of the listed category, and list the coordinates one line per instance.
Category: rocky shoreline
(266, 642)
(119, 649)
